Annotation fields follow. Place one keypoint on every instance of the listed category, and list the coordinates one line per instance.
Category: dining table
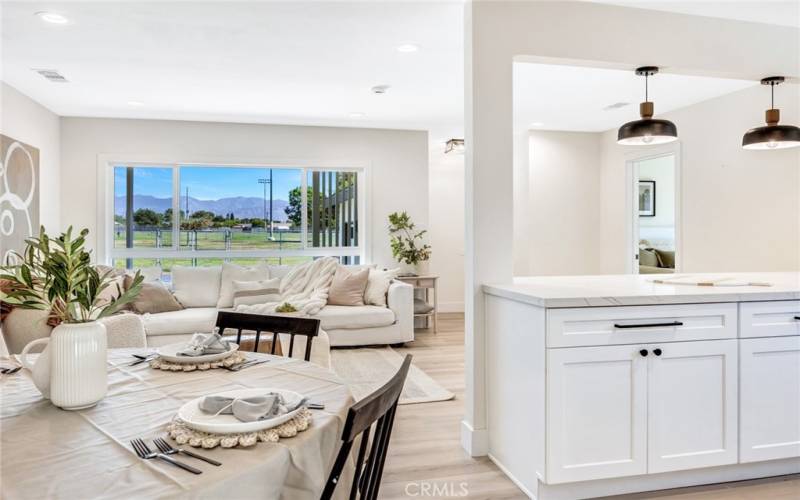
(47, 452)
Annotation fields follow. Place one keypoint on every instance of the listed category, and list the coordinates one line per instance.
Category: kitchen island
(602, 385)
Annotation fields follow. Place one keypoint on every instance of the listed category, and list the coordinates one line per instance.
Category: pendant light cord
(646, 79)
(772, 91)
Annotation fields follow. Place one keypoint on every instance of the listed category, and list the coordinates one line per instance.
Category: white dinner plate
(197, 419)
(170, 353)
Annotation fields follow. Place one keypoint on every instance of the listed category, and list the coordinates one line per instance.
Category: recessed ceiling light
(52, 17)
(407, 47)
(135, 104)
(357, 114)
(537, 124)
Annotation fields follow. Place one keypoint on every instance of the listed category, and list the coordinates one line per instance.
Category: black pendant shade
(772, 136)
(647, 131)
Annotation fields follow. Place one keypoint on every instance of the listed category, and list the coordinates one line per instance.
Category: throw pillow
(249, 293)
(648, 257)
(196, 286)
(153, 298)
(347, 288)
(235, 272)
(378, 286)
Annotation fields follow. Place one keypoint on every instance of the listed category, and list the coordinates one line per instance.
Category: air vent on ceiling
(616, 105)
(52, 75)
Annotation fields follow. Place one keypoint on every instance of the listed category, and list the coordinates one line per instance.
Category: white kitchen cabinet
(596, 413)
(769, 398)
(692, 405)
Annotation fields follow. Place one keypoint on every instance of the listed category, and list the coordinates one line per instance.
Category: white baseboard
(451, 307)
(474, 441)
(511, 477)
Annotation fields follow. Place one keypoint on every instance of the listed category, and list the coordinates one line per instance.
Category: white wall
(740, 209)
(398, 160)
(561, 217)
(25, 120)
(446, 227)
(581, 33)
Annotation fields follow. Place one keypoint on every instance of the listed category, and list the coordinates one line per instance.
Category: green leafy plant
(56, 275)
(286, 308)
(407, 244)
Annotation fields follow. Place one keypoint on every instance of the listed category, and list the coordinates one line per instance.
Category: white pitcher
(40, 371)
(78, 371)
(78, 375)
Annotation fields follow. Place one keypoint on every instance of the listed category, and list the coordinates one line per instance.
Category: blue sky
(208, 183)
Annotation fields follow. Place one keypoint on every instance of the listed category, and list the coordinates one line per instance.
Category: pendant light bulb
(647, 131)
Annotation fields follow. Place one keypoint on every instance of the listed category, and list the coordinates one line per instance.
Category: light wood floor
(425, 448)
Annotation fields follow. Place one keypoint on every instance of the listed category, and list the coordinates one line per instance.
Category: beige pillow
(233, 272)
(256, 292)
(378, 286)
(347, 288)
(153, 298)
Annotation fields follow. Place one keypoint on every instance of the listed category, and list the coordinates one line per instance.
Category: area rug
(365, 370)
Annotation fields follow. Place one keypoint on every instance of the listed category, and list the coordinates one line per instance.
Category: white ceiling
(573, 98)
(259, 62)
(779, 12)
(312, 63)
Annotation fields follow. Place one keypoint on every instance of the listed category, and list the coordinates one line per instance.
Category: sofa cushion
(249, 293)
(153, 298)
(234, 272)
(378, 285)
(196, 286)
(354, 318)
(347, 287)
(186, 321)
(648, 257)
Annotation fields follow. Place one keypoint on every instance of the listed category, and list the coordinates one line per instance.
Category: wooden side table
(426, 283)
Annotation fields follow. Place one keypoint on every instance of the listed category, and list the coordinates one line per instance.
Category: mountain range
(242, 207)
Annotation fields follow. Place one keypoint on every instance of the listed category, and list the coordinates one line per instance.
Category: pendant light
(647, 131)
(773, 136)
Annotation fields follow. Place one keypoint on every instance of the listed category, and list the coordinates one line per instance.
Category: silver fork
(145, 452)
(167, 449)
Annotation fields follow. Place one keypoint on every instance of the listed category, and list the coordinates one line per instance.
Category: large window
(205, 214)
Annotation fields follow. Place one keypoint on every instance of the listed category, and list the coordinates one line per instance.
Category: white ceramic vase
(78, 372)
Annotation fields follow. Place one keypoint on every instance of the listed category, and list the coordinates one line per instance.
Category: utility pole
(265, 182)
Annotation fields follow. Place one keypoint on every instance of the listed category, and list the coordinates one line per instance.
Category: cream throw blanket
(305, 287)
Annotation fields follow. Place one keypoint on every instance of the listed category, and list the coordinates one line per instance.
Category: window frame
(107, 253)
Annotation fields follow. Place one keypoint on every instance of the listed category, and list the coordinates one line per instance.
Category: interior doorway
(653, 208)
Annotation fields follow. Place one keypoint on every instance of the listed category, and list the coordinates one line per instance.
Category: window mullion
(304, 209)
(176, 207)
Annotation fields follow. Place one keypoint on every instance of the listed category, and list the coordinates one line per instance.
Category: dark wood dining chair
(276, 325)
(378, 408)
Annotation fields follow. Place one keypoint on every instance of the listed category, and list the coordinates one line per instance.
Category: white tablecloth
(51, 453)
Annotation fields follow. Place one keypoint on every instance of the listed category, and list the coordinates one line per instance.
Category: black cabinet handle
(657, 352)
(797, 318)
(643, 352)
(651, 325)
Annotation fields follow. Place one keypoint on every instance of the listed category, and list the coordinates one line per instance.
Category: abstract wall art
(19, 196)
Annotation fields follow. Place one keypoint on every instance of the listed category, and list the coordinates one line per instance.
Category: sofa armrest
(400, 300)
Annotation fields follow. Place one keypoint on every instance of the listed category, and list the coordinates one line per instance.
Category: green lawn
(214, 240)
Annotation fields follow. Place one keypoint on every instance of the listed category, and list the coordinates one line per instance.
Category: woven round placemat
(183, 434)
(235, 358)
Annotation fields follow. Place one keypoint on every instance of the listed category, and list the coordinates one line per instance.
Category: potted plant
(56, 275)
(407, 244)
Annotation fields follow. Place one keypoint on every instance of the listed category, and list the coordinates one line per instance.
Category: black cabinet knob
(657, 352)
(643, 352)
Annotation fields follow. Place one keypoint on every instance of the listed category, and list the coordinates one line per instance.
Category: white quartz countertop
(634, 290)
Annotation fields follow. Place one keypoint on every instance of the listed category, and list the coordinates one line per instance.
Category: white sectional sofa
(345, 325)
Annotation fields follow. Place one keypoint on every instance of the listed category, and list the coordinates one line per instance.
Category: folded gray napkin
(202, 344)
(250, 409)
